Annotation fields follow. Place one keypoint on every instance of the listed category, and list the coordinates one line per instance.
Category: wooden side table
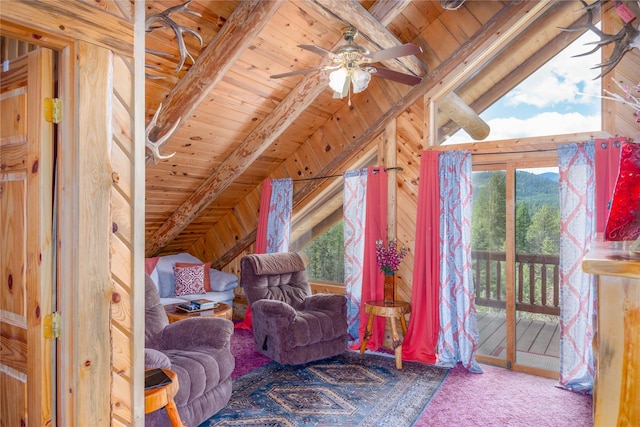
(393, 311)
(174, 314)
(162, 397)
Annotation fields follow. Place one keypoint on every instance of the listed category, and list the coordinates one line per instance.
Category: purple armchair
(198, 350)
(290, 325)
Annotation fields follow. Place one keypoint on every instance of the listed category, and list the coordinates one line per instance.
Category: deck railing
(537, 281)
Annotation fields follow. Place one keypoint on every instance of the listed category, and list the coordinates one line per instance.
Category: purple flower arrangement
(388, 258)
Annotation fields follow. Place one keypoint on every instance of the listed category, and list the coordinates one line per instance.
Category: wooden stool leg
(172, 412)
(367, 334)
(403, 323)
(397, 343)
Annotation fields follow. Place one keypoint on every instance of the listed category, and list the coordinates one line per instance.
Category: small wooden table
(175, 314)
(392, 311)
(162, 397)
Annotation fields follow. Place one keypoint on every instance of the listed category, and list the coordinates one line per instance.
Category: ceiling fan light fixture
(337, 79)
(360, 79)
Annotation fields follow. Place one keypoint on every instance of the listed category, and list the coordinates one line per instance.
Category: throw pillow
(189, 280)
(207, 268)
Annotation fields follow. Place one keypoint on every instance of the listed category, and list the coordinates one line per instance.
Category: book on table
(204, 304)
(155, 378)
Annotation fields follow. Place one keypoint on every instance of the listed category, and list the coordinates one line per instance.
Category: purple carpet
(498, 397)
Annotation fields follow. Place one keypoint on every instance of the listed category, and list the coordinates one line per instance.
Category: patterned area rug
(346, 390)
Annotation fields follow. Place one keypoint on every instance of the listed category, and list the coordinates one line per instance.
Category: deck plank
(533, 338)
(544, 341)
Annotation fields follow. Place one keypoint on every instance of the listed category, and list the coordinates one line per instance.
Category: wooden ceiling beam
(242, 157)
(237, 34)
(388, 10)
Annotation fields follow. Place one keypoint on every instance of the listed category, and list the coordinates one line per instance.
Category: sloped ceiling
(237, 126)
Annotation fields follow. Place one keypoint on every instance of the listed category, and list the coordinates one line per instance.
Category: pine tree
(523, 221)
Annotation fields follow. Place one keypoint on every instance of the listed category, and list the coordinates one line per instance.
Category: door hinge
(52, 325)
(53, 110)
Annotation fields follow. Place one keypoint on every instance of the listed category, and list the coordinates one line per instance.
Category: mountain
(551, 176)
(534, 190)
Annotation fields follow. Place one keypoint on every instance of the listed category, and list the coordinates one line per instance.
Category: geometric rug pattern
(349, 389)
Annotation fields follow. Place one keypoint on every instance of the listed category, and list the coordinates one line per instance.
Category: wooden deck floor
(537, 342)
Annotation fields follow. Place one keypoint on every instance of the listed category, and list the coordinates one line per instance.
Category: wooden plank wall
(123, 304)
(101, 303)
(619, 119)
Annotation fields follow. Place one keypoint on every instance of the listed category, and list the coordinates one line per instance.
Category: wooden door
(26, 189)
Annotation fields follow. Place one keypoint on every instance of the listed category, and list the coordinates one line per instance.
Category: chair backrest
(280, 276)
(155, 316)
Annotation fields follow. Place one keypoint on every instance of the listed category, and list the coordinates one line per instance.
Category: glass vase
(389, 288)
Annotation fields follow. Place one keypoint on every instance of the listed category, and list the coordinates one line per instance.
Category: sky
(551, 101)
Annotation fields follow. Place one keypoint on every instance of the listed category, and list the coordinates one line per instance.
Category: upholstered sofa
(290, 325)
(161, 271)
(198, 350)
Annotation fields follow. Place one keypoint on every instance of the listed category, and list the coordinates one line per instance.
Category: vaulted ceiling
(236, 125)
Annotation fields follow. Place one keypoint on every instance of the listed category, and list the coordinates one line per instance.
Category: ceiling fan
(352, 65)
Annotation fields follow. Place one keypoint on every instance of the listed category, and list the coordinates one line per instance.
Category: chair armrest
(197, 332)
(330, 302)
(155, 359)
(274, 308)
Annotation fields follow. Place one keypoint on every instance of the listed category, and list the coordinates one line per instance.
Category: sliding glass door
(515, 245)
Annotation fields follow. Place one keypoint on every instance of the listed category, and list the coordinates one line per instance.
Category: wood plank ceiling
(237, 125)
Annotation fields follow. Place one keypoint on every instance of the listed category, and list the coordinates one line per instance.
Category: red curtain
(607, 164)
(422, 335)
(261, 241)
(372, 276)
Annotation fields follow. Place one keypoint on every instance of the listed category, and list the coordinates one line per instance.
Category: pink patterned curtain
(422, 335)
(458, 340)
(365, 221)
(577, 289)
(274, 224)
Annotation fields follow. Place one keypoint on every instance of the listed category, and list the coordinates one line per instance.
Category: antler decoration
(451, 4)
(625, 40)
(154, 22)
(154, 147)
(163, 20)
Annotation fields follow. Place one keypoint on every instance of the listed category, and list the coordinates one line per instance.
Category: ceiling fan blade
(394, 52)
(386, 73)
(295, 73)
(317, 50)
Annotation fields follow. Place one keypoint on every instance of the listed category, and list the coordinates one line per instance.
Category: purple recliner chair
(290, 325)
(198, 350)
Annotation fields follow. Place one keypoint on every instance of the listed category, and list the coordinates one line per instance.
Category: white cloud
(550, 123)
(562, 79)
(558, 84)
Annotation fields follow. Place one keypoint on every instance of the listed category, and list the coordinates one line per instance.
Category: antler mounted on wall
(164, 20)
(451, 4)
(625, 40)
(154, 22)
(154, 146)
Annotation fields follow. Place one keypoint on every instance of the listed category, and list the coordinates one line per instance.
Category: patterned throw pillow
(189, 280)
(207, 269)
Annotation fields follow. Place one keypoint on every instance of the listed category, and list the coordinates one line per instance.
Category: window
(324, 255)
(317, 234)
(560, 96)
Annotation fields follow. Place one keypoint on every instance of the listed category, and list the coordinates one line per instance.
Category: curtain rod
(397, 168)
